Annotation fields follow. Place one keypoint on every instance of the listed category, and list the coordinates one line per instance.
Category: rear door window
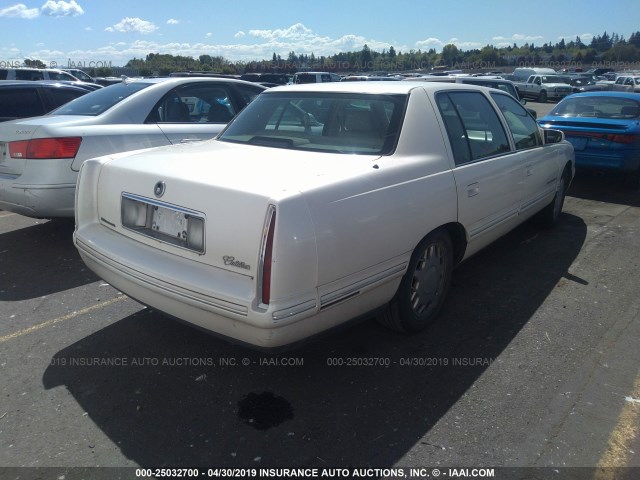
(524, 128)
(473, 127)
(19, 103)
(195, 103)
(29, 75)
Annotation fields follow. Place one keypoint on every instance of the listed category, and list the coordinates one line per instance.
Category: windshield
(351, 123)
(580, 81)
(99, 101)
(597, 106)
(554, 79)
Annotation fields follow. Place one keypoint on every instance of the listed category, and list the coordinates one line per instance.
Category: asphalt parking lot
(533, 364)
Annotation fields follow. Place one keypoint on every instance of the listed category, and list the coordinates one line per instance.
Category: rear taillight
(625, 139)
(267, 256)
(40, 148)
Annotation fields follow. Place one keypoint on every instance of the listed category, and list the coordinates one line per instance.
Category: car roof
(41, 84)
(484, 80)
(372, 87)
(608, 93)
(179, 80)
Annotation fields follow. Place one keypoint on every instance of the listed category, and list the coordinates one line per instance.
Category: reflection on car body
(320, 203)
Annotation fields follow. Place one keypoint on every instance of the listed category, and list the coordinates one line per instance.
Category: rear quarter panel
(372, 223)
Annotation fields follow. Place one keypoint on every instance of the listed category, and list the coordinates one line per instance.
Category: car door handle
(473, 190)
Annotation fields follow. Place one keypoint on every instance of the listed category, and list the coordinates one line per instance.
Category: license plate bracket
(167, 223)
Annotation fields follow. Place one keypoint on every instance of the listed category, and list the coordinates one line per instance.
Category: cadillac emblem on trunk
(159, 189)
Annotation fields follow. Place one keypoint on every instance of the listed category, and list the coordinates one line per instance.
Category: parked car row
(489, 82)
(252, 234)
(579, 81)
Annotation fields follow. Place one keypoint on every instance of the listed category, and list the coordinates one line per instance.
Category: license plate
(169, 222)
(579, 143)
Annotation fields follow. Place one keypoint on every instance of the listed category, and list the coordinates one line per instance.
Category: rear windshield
(99, 101)
(599, 107)
(306, 78)
(326, 122)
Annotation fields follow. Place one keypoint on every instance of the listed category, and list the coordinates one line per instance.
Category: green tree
(365, 59)
(449, 54)
(34, 63)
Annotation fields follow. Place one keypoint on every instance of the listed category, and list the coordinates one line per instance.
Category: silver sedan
(40, 157)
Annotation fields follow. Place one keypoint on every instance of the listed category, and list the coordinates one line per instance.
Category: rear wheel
(548, 217)
(424, 286)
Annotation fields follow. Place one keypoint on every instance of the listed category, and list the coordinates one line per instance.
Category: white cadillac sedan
(40, 157)
(318, 204)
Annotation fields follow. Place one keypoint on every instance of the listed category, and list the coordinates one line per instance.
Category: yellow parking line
(53, 321)
(628, 428)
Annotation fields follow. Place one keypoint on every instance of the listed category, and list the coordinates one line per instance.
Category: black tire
(548, 217)
(543, 97)
(632, 180)
(424, 287)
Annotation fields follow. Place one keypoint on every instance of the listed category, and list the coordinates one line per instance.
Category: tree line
(606, 49)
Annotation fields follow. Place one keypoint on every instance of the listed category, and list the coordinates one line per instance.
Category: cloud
(61, 9)
(133, 25)
(294, 32)
(173, 21)
(258, 45)
(519, 37)
(208, 35)
(20, 11)
(437, 44)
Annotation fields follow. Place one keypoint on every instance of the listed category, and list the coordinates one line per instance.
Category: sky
(111, 32)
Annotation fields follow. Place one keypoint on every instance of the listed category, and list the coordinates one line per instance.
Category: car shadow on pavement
(40, 260)
(168, 395)
(604, 187)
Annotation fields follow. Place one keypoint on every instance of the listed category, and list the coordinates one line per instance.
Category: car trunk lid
(228, 188)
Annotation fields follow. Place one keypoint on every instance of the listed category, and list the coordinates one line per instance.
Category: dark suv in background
(32, 99)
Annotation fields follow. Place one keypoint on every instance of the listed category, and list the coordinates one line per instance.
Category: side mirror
(553, 136)
(523, 101)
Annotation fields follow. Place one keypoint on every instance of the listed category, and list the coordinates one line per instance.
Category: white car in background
(321, 203)
(40, 157)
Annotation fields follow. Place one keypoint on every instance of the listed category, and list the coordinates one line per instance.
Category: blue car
(604, 129)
